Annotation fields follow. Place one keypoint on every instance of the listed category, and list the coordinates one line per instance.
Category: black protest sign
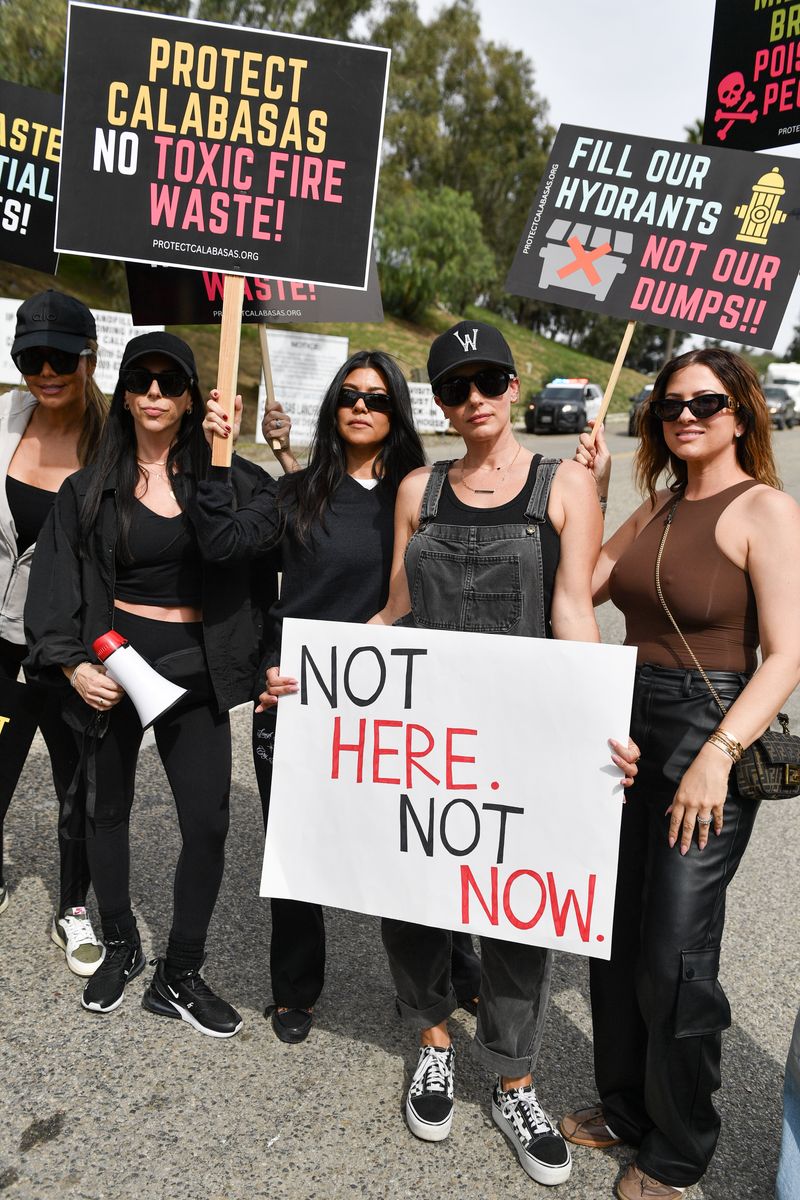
(30, 151)
(754, 78)
(691, 237)
(211, 146)
(170, 296)
(19, 714)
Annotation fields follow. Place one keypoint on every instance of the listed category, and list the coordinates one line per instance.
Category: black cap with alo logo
(468, 341)
(52, 319)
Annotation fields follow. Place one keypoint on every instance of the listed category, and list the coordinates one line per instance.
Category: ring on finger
(704, 820)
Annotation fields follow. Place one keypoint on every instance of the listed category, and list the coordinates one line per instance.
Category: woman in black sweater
(336, 551)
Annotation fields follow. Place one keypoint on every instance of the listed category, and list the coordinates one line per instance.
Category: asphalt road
(131, 1105)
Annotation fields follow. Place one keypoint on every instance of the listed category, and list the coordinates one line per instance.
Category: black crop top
(166, 569)
(30, 507)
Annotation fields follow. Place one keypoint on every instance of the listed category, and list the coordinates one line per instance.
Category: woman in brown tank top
(730, 574)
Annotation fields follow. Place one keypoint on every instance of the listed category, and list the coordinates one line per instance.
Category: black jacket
(71, 593)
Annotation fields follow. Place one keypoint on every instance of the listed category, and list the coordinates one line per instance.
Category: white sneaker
(74, 934)
(3, 897)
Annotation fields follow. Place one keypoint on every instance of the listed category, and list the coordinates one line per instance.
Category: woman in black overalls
(499, 541)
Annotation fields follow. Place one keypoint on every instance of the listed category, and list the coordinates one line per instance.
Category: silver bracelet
(74, 673)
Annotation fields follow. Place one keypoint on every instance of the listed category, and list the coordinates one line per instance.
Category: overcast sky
(636, 66)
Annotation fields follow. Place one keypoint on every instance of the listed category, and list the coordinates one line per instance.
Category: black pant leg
(195, 747)
(62, 746)
(109, 850)
(297, 947)
(11, 656)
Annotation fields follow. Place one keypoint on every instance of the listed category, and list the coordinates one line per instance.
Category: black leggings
(297, 949)
(63, 750)
(195, 747)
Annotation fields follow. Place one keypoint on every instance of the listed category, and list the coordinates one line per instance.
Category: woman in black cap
(49, 428)
(120, 551)
(499, 541)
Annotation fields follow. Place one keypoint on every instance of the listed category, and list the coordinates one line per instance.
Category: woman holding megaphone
(120, 552)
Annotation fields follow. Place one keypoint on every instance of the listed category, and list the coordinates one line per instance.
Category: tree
(793, 350)
(462, 113)
(430, 247)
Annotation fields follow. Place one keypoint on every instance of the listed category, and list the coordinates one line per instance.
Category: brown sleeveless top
(710, 598)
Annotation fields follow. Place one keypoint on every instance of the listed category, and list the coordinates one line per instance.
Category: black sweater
(342, 575)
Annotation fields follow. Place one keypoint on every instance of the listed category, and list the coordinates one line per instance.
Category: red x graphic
(584, 260)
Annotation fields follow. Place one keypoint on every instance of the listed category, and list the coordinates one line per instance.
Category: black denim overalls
(485, 579)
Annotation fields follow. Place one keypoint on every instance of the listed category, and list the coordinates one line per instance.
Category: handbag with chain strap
(769, 768)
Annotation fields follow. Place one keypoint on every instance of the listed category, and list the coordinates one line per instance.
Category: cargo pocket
(702, 1006)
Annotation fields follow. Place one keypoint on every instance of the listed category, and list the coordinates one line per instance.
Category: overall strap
(433, 489)
(537, 505)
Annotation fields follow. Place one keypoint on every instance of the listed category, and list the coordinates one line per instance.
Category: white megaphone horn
(151, 693)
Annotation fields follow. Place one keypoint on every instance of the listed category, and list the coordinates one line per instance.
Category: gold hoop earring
(126, 406)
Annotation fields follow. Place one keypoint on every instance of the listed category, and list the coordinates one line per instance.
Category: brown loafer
(636, 1184)
(587, 1127)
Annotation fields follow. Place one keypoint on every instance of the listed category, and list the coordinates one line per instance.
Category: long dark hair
(116, 452)
(309, 491)
(753, 448)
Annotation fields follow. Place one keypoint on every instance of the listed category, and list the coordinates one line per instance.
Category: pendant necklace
(156, 474)
(490, 491)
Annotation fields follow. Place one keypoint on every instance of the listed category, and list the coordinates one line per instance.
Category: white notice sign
(405, 788)
(302, 365)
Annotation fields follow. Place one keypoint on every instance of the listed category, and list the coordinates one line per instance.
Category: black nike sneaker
(189, 997)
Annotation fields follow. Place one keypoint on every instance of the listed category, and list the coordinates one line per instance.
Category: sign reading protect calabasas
(693, 237)
(193, 144)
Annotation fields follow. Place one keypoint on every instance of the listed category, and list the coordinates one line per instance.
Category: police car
(563, 406)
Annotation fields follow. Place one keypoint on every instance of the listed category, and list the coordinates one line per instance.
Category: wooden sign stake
(228, 369)
(613, 377)
(265, 364)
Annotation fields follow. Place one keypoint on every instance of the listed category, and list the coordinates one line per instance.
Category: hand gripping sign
(399, 788)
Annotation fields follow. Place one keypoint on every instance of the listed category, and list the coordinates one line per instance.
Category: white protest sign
(303, 365)
(428, 417)
(406, 785)
(114, 329)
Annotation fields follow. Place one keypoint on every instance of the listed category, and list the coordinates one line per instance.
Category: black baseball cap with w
(468, 341)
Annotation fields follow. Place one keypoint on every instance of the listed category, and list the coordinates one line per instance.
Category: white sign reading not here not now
(460, 780)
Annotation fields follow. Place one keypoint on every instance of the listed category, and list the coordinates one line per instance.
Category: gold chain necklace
(489, 491)
(156, 474)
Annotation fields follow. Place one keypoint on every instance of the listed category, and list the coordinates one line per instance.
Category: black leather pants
(657, 1007)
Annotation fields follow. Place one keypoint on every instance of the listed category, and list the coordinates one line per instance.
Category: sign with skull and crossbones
(753, 99)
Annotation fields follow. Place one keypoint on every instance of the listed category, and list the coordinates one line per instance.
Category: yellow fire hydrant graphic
(762, 212)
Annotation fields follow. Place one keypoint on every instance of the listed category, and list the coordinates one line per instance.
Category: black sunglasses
(170, 383)
(490, 382)
(375, 401)
(63, 362)
(699, 406)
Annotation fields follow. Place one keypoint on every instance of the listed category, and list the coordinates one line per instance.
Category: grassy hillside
(538, 359)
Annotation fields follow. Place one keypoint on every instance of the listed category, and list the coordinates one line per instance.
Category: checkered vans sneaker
(429, 1103)
(540, 1148)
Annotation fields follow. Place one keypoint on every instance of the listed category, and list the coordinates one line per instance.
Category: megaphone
(151, 693)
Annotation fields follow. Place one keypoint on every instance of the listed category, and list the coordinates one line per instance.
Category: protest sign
(303, 365)
(211, 146)
(402, 789)
(114, 330)
(753, 97)
(30, 151)
(696, 238)
(176, 297)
